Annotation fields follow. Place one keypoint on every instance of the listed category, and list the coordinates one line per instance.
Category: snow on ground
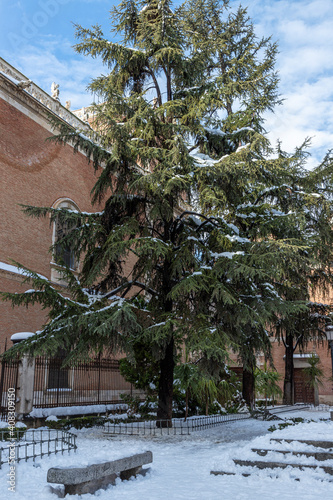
(182, 465)
(62, 411)
(305, 414)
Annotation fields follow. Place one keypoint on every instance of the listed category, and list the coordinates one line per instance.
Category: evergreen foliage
(144, 371)
(203, 228)
(266, 382)
(310, 196)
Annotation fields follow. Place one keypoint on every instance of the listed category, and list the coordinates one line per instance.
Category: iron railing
(35, 443)
(176, 426)
(96, 382)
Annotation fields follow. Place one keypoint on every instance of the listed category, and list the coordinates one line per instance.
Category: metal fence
(8, 380)
(35, 443)
(175, 426)
(92, 383)
(96, 382)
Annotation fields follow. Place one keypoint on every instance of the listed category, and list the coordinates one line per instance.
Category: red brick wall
(36, 172)
(325, 391)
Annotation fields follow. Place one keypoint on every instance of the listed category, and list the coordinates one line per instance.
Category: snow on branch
(202, 160)
(227, 255)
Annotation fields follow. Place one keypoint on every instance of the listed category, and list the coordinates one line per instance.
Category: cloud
(303, 29)
(54, 60)
(304, 33)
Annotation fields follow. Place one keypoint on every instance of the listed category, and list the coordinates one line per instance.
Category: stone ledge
(281, 465)
(320, 456)
(318, 444)
(77, 475)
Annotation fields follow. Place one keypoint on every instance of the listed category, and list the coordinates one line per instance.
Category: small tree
(142, 369)
(266, 383)
(188, 375)
(206, 391)
(314, 374)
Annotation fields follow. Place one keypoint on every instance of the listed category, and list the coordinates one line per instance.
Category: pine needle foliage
(192, 244)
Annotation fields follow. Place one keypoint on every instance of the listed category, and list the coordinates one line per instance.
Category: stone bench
(80, 480)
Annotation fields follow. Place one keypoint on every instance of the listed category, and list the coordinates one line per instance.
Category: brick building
(302, 391)
(38, 172)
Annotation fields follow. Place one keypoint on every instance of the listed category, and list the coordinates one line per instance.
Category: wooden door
(302, 391)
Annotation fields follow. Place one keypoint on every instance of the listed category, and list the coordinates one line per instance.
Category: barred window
(64, 254)
(58, 377)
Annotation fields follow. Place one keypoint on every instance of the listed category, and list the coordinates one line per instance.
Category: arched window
(63, 255)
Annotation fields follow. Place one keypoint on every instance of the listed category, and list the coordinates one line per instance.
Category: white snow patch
(62, 411)
(51, 418)
(21, 336)
(237, 238)
(182, 464)
(228, 255)
(18, 425)
(16, 270)
(243, 147)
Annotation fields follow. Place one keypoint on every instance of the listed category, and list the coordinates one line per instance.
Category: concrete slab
(280, 465)
(320, 456)
(81, 480)
(318, 444)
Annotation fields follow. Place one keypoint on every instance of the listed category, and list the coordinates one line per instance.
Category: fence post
(25, 386)
(99, 378)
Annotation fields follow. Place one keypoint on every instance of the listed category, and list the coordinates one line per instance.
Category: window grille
(64, 254)
(58, 377)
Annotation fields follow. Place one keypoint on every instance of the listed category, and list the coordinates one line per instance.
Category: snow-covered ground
(182, 465)
(314, 414)
(76, 410)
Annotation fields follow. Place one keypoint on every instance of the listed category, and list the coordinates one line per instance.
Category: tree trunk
(165, 394)
(248, 387)
(167, 364)
(288, 386)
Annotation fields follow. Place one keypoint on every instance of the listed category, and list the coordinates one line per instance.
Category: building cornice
(25, 95)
